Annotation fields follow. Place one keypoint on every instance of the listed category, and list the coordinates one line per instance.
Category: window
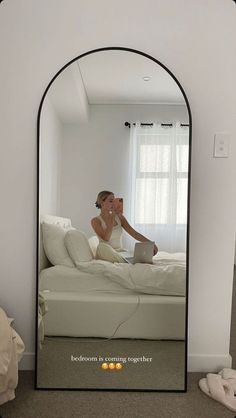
(160, 174)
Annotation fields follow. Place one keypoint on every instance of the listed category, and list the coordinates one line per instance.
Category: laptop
(143, 253)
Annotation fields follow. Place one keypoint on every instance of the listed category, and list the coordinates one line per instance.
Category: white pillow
(54, 246)
(77, 246)
(93, 243)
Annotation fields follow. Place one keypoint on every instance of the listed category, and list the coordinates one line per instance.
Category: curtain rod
(151, 124)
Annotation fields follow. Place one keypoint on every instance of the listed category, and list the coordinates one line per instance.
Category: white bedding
(68, 279)
(167, 276)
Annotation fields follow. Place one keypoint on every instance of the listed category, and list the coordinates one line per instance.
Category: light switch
(221, 145)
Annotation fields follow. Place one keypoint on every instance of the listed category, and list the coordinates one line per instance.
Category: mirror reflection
(113, 193)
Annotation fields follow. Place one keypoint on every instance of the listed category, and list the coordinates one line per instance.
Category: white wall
(50, 160)
(196, 41)
(96, 156)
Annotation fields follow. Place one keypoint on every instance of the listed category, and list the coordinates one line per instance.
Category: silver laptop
(143, 253)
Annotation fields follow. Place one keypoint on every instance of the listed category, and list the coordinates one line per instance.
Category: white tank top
(115, 240)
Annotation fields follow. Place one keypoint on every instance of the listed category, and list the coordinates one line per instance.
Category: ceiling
(116, 77)
(112, 77)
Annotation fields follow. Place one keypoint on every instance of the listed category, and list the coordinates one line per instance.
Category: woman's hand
(108, 216)
(118, 206)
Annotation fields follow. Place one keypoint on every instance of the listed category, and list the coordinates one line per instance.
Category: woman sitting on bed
(108, 227)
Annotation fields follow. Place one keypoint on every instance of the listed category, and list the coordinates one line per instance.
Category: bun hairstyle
(101, 197)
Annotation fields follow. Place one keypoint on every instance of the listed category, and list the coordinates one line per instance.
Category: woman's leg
(107, 253)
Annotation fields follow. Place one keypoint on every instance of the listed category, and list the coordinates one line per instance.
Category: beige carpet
(106, 404)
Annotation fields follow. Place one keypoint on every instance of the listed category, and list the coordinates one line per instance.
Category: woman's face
(108, 203)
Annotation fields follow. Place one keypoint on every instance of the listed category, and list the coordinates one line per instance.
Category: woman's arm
(133, 233)
(104, 234)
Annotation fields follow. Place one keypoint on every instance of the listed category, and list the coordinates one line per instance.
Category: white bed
(82, 304)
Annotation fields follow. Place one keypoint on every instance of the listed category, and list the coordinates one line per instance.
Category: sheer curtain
(159, 183)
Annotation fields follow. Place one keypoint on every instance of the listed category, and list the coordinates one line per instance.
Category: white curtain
(159, 183)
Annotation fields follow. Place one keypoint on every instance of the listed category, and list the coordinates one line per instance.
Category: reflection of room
(95, 146)
(84, 148)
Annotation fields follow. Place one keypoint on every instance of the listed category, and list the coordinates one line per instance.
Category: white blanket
(11, 351)
(166, 276)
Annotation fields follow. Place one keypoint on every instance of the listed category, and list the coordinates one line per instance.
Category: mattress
(104, 315)
(86, 305)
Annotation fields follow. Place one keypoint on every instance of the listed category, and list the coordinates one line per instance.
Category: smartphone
(118, 204)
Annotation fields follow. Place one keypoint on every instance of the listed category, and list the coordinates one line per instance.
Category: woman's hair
(101, 197)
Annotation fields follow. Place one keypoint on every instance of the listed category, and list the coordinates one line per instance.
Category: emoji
(112, 366)
(105, 366)
(119, 366)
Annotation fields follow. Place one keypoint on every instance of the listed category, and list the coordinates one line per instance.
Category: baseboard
(208, 363)
(27, 361)
(196, 362)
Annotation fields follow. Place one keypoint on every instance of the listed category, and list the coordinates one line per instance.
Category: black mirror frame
(188, 222)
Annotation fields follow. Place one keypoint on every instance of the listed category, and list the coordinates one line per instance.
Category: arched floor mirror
(113, 120)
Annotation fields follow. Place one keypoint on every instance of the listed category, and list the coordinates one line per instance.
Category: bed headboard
(51, 219)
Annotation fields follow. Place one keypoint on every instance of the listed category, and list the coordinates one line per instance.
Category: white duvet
(166, 276)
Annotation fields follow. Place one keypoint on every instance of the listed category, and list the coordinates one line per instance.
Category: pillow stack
(54, 246)
(65, 246)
